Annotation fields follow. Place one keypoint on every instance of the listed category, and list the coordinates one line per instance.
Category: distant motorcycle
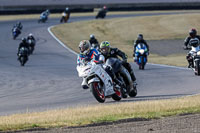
(99, 81)
(124, 76)
(95, 46)
(141, 54)
(101, 14)
(43, 18)
(195, 55)
(64, 18)
(31, 43)
(15, 32)
(23, 55)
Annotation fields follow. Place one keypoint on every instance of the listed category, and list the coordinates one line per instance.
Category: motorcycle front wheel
(98, 92)
(197, 67)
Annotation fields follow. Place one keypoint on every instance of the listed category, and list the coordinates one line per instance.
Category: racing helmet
(30, 35)
(140, 37)
(192, 32)
(92, 36)
(84, 47)
(24, 40)
(105, 47)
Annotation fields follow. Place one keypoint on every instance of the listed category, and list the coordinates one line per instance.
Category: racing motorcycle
(99, 82)
(15, 32)
(23, 55)
(124, 76)
(195, 55)
(141, 54)
(64, 18)
(101, 14)
(43, 18)
(31, 45)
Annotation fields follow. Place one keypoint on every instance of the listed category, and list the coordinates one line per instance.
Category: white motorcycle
(196, 59)
(195, 54)
(99, 82)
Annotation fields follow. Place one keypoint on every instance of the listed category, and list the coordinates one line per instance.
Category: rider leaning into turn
(191, 41)
(108, 52)
(87, 54)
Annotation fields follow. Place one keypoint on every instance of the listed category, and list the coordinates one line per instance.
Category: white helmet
(84, 47)
(30, 34)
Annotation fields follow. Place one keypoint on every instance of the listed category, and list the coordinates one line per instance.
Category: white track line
(168, 66)
(70, 50)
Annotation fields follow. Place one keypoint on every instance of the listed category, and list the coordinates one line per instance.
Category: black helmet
(193, 32)
(92, 36)
(140, 37)
(24, 40)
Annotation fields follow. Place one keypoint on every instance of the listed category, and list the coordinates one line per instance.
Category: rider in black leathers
(108, 52)
(140, 39)
(23, 44)
(30, 36)
(94, 41)
(192, 35)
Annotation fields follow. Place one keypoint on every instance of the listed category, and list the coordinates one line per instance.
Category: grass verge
(122, 31)
(101, 113)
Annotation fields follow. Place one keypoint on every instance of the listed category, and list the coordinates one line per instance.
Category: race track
(49, 79)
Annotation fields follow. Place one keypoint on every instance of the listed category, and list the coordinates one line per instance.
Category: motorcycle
(141, 54)
(124, 76)
(43, 18)
(195, 56)
(99, 82)
(23, 55)
(101, 14)
(31, 45)
(64, 18)
(15, 32)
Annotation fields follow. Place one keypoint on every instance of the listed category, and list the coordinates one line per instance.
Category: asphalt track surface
(49, 80)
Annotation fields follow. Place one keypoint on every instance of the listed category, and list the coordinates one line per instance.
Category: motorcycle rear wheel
(117, 96)
(97, 92)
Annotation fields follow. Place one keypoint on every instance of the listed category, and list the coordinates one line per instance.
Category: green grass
(101, 113)
(121, 32)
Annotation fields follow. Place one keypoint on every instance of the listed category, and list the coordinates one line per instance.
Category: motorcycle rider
(30, 36)
(93, 41)
(108, 52)
(139, 39)
(19, 25)
(65, 14)
(87, 54)
(191, 41)
(23, 44)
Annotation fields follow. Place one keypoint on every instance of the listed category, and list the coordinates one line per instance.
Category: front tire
(197, 67)
(97, 92)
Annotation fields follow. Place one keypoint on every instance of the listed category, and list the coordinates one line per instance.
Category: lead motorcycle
(43, 18)
(23, 55)
(123, 75)
(141, 54)
(99, 82)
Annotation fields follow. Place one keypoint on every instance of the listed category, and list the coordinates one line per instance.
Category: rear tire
(133, 92)
(117, 96)
(97, 92)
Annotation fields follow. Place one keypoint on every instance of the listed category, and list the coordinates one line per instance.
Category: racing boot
(84, 84)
